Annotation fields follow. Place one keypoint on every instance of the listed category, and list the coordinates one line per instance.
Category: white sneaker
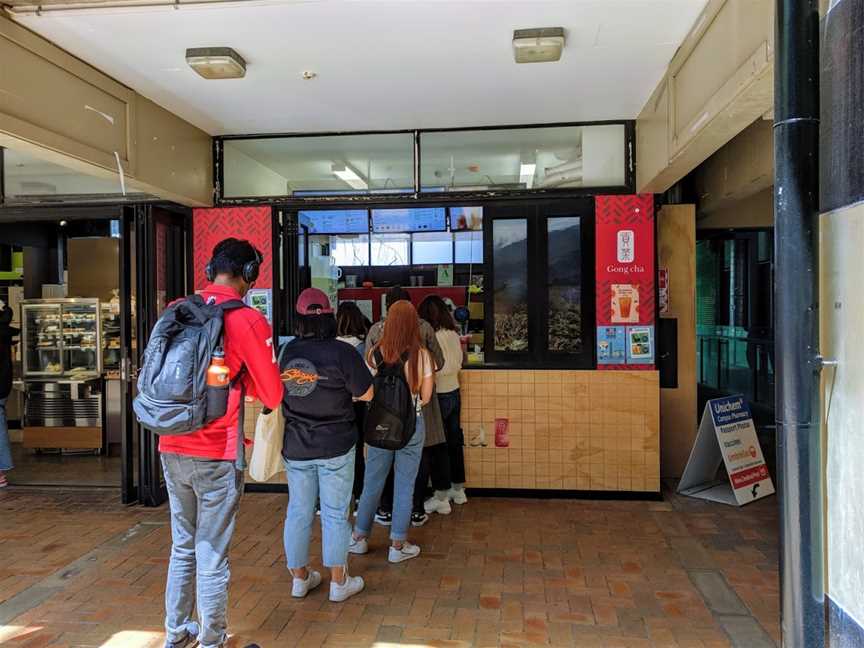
(352, 585)
(407, 552)
(435, 505)
(301, 588)
(359, 547)
(457, 495)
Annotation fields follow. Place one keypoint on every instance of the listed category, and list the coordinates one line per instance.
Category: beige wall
(841, 318)
(676, 247)
(60, 109)
(754, 211)
(718, 83)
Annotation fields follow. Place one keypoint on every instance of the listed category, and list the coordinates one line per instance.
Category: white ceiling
(383, 64)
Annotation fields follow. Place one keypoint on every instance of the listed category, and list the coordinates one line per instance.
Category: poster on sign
(727, 435)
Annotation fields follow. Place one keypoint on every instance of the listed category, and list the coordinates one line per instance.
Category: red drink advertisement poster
(502, 433)
(625, 263)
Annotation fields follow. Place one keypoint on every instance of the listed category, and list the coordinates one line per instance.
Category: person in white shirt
(446, 466)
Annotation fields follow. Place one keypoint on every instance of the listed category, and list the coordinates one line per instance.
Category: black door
(294, 274)
(163, 240)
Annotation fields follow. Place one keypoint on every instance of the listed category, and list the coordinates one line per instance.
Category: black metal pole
(796, 205)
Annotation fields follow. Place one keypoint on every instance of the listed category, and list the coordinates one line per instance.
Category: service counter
(567, 430)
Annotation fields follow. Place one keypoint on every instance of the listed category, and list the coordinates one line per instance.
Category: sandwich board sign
(727, 434)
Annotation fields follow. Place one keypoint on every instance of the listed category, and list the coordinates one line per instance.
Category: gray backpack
(173, 396)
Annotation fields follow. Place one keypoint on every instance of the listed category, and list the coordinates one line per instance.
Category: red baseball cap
(313, 301)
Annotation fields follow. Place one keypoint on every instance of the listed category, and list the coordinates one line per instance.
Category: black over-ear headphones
(249, 273)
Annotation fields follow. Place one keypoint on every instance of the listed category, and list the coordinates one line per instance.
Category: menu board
(429, 219)
(336, 221)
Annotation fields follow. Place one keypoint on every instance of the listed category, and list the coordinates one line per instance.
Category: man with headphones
(203, 482)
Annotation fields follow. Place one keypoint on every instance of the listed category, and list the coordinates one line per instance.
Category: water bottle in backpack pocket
(392, 416)
(175, 394)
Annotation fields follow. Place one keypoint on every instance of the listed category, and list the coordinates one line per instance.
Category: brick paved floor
(76, 569)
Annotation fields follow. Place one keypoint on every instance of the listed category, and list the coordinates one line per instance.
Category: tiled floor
(78, 570)
(52, 468)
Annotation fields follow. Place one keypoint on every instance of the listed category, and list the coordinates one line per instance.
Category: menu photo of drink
(625, 304)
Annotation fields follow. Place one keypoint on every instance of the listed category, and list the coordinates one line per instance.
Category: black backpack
(392, 415)
(173, 396)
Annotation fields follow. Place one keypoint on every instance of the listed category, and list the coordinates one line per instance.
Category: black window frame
(418, 196)
(538, 355)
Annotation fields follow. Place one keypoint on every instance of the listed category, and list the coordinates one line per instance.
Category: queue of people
(323, 380)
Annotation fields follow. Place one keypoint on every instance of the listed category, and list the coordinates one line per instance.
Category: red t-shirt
(248, 343)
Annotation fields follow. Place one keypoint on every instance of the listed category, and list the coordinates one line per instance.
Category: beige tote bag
(266, 458)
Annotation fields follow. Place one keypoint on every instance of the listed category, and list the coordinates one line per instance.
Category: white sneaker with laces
(406, 552)
(435, 505)
(352, 585)
(457, 495)
(301, 587)
(359, 547)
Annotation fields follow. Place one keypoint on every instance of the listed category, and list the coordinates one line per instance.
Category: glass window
(564, 283)
(555, 157)
(390, 249)
(28, 176)
(432, 247)
(350, 250)
(325, 165)
(469, 247)
(510, 289)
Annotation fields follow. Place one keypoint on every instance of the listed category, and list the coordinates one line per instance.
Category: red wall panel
(209, 226)
(625, 257)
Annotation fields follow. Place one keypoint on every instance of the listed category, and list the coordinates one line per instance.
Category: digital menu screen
(336, 221)
(430, 219)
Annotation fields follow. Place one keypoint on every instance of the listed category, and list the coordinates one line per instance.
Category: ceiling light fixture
(539, 45)
(349, 176)
(216, 62)
(526, 174)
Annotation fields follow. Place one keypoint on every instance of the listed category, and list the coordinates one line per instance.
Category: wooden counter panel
(568, 430)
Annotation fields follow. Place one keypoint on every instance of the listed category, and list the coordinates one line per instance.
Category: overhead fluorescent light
(526, 174)
(216, 62)
(541, 45)
(349, 176)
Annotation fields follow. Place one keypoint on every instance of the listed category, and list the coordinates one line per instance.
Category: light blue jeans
(204, 496)
(378, 462)
(5, 449)
(331, 481)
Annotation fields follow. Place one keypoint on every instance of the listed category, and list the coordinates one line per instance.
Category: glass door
(163, 275)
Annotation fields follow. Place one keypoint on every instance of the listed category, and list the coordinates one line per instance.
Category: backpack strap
(240, 462)
(232, 304)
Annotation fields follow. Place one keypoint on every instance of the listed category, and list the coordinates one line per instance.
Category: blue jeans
(5, 450)
(378, 462)
(331, 480)
(204, 496)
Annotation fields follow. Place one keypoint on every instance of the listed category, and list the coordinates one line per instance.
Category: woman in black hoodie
(7, 334)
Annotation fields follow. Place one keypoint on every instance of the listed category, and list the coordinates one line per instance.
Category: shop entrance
(85, 285)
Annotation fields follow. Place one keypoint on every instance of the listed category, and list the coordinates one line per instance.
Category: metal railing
(737, 365)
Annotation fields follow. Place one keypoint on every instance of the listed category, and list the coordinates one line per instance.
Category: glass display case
(61, 338)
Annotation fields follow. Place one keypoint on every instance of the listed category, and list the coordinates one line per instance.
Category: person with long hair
(351, 328)
(399, 345)
(432, 420)
(445, 462)
(322, 377)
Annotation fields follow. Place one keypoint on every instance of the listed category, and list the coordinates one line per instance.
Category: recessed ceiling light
(539, 45)
(526, 174)
(349, 176)
(216, 62)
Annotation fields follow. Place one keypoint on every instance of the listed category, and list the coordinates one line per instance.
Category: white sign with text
(727, 434)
